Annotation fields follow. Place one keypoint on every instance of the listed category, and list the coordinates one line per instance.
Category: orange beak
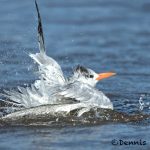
(105, 75)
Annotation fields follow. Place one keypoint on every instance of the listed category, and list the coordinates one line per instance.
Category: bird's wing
(51, 77)
(86, 94)
(40, 31)
(49, 69)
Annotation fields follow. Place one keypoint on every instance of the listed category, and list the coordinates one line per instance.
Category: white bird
(53, 88)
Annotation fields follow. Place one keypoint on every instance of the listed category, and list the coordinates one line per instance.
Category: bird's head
(88, 76)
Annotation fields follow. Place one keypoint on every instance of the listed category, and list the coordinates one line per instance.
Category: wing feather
(49, 69)
(40, 31)
(86, 94)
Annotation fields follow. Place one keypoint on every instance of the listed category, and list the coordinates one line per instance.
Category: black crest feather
(82, 70)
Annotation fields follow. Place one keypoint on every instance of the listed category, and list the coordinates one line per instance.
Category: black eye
(91, 76)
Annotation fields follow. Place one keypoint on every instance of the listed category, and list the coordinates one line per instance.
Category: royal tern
(53, 88)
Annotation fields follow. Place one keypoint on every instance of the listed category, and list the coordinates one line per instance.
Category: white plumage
(52, 87)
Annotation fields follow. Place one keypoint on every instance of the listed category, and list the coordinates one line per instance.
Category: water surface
(109, 35)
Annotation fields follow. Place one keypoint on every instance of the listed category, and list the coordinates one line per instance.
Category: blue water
(109, 35)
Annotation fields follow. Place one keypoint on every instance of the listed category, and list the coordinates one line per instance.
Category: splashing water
(142, 102)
